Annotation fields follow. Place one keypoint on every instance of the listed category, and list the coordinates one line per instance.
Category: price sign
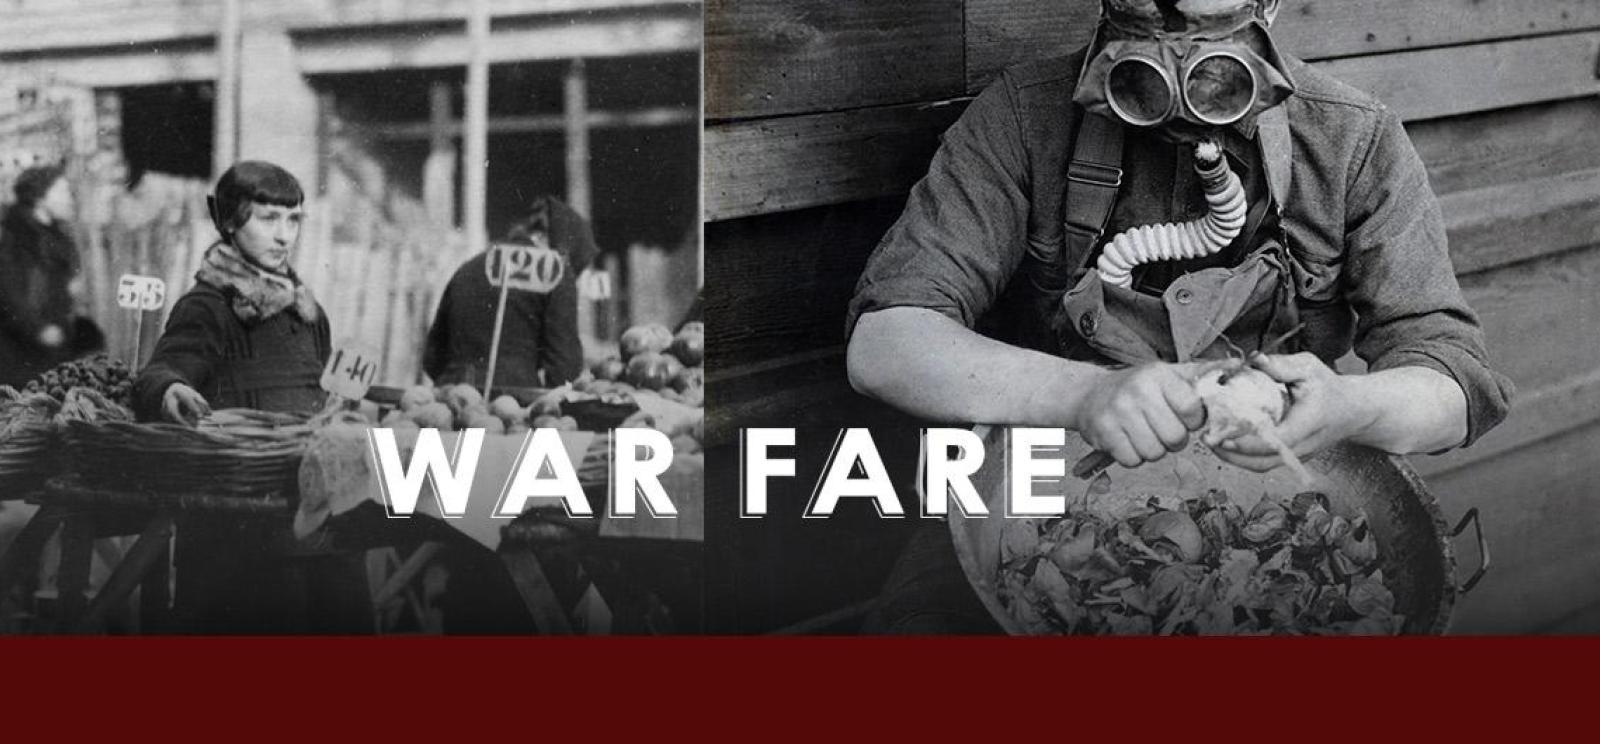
(594, 285)
(136, 292)
(526, 268)
(348, 374)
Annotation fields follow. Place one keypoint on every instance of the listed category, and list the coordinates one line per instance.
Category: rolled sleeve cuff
(1488, 393)
(904, 292)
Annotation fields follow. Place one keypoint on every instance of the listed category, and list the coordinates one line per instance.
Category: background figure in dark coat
(38, 261)
(541, 325)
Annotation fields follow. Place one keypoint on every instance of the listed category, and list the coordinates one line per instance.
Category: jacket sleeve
(187, 352)
(963, 232)
(560, 350)
(1402, 285)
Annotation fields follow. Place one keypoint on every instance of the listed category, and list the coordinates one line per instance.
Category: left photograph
(351, 317)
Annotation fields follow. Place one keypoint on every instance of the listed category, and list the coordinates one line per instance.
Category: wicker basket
(28, 457)
(233, 452)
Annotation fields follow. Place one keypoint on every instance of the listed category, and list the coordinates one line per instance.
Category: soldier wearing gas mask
(1097, 225)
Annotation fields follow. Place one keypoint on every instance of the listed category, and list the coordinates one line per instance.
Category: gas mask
(1157, 78)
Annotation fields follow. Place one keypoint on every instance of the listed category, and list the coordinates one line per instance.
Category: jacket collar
(255, 293)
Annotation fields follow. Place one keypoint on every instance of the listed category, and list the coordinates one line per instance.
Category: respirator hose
(1183, 240)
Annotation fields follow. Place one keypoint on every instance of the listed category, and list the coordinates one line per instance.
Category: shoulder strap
(1093, 178)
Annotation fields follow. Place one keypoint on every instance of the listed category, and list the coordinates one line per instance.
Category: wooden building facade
(822, 114)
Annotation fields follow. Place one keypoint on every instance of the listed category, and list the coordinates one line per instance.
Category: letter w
(450, 476)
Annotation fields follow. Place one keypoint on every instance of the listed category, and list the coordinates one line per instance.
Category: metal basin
(1414, 541)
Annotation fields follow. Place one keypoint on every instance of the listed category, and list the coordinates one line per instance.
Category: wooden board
(1499, 225)
(772, 57)
(1537, 505)
(1509, 145)
(1434, 83)
(1539, 317)
(1004, 32)
(779, 284)
(796, 162)
(774, 165)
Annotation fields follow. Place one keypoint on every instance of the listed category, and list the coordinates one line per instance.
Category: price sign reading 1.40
(348, 374)
(136, 292)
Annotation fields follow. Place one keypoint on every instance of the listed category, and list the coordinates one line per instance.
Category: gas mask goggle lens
(1149, 83)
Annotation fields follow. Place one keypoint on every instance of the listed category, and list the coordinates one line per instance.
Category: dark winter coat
(270, 362)
(37, 262)
(540, 331)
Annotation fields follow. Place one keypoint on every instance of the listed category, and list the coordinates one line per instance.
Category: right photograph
(1145, 317)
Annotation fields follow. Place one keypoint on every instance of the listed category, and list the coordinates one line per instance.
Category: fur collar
(255, 293)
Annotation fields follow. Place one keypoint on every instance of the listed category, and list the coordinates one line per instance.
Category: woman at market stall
(38, 263)
(539, 345)
(250, 335)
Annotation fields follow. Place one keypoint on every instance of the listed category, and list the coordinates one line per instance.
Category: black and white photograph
(1285, 306)
(240, 236)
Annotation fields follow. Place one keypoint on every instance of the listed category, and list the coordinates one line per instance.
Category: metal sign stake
(499, 321)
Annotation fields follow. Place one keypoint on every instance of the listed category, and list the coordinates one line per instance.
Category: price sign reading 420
(136, 292)
(348, 374)
(532, 268)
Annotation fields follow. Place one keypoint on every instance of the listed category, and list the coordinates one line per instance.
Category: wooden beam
(599, 36)
(769, 57)
(575, 93)
(661, 116)
(175, 63)
(79, 25)
(226, 118)
(476, 161)
(439, 171)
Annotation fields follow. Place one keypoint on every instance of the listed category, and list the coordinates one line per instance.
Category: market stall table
(84, 512)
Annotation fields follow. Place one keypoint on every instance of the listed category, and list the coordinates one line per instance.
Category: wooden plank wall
(821, 114)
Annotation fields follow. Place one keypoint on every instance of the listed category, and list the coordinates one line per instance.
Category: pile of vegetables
(656, 360)
(95, 389)
(109, 377)
(1200, 567)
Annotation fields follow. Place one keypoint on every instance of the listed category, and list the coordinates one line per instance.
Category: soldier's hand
(1138, 415)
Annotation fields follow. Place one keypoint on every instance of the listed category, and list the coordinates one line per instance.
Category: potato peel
(1242, 400)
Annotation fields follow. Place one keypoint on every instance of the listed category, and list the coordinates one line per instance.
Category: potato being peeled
(1242, 401)
(1239, 401)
